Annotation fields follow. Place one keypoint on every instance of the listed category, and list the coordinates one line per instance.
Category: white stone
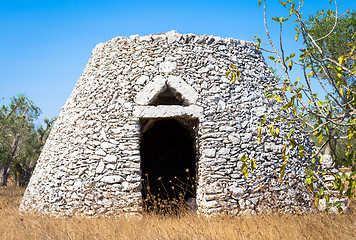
(101, 152)
(145, 39)
(221, 105)
(106, 145)
(100, 167)
(112, 179)
(110, 159)
(167, 67)
(237, 191)
(164, 111)
(260, 111)
(210, 153)
(188, 93)
(224, 151)
(142, 80)
(173, 36)
(151, 90)
(234, 138)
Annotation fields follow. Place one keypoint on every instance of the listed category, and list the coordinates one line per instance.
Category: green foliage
(246, 163)
(327, 58)
(20, 140)
(339, 42)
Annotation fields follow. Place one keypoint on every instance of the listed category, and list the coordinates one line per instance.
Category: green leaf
(253, 164)
(271, 129)
(292, 142)
(259, 135)
(238, 73)
(227, 73)
(278, 98)
(264, 119)
(291, 132)
(277, 131)
(272, 58)
(320, 137)
(301, 151)
(283, 169)
(244, 170)
(308, 181)
(286, 106)
(244, 158)
(290, 65)
(284, 149)
(268, 94)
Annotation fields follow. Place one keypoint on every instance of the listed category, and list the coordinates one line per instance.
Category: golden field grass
(14, 225)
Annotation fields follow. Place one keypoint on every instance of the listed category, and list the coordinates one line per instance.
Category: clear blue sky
(45, 45)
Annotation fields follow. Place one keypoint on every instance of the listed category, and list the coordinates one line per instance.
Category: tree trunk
(4, 174)
(5, 168)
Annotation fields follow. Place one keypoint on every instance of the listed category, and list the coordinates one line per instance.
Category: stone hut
(154, 116)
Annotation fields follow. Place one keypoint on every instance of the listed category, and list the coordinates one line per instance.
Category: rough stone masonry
(114, 129)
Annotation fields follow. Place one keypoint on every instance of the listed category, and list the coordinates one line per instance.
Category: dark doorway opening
(168, 163)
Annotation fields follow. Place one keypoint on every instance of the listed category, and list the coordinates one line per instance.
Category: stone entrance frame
(163, 100)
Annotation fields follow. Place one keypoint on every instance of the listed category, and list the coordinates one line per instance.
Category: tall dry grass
(13, 225)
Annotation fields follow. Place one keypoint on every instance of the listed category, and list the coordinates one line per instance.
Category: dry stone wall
(91, 161)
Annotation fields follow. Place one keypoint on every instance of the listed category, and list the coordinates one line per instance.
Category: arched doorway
(168, 163)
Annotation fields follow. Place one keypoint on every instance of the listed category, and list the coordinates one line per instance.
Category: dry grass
(13, 225)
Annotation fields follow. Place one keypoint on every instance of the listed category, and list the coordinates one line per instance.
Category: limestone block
(163, 111)
(224, 151)
(110, 159)
(210, 153)
(188, 93)
(101, 152)
(106, 145)
(151, 90)
(100, 167)
(112, 179)
(142, 80)
(167, 67)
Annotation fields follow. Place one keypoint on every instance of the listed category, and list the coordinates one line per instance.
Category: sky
(46, 44)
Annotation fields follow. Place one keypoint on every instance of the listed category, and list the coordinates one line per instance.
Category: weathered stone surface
(209, 153)
(142, 80)
(167, 67)
(90, 163)
(112, 179)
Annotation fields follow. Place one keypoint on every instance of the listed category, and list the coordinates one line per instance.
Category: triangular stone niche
(171, 91)
(168, 96)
